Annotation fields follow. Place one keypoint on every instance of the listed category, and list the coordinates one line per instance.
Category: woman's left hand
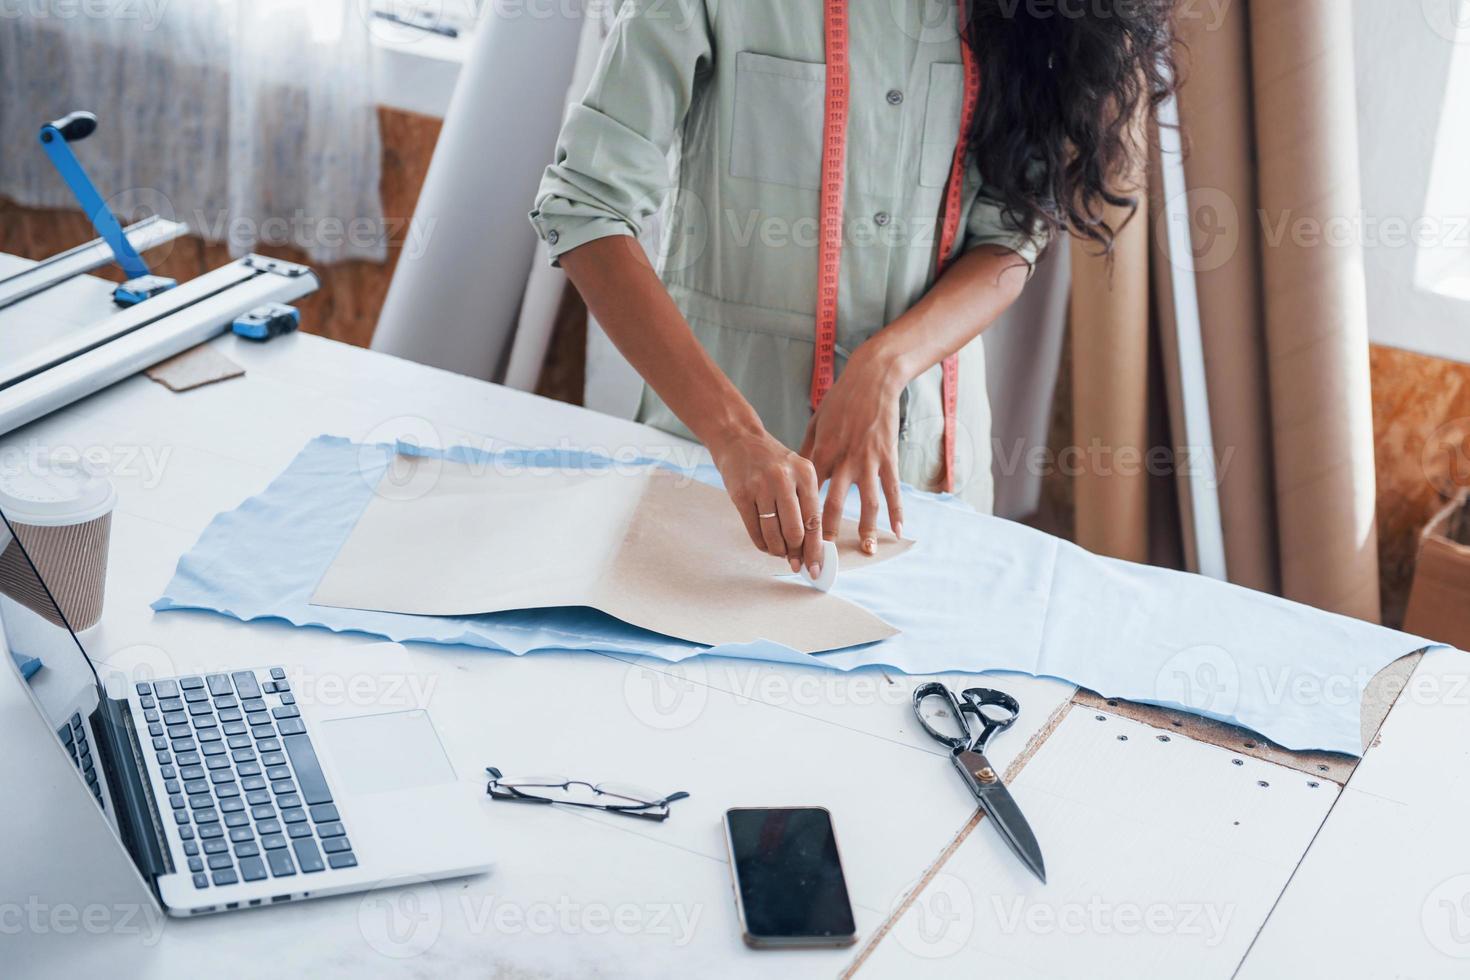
(852, 439)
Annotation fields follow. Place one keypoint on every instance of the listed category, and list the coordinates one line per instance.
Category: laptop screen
(47, 654)
(44, 588)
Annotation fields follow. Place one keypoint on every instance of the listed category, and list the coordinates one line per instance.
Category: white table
(1167, 856)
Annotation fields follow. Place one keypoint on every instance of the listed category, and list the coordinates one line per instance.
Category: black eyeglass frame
(657, 810)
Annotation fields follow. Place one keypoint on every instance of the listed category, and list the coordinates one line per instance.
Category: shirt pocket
(777, 131)
(941, 122)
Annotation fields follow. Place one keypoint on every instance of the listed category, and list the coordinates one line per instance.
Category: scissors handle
(957, 711)
(996, 711)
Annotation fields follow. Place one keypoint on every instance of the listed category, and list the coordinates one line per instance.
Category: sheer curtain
(251, 120)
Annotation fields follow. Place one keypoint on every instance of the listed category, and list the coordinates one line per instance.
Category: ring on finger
(767, 517)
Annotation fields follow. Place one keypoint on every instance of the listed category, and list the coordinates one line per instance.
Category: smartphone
(789, 886)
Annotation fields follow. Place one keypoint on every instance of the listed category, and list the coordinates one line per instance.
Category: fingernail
(870, 545)
(795, 565)
(898, 529)
(816, 569)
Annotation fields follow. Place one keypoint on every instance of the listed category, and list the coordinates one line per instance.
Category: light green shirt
(717, 106)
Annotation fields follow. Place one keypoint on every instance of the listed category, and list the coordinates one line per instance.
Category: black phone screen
(788, 874)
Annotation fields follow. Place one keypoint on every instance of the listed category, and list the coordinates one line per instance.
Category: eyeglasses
(630, 801)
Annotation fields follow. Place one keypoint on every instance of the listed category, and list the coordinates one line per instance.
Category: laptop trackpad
(382, 753)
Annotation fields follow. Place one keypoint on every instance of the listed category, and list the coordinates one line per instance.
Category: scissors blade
(1001, 807)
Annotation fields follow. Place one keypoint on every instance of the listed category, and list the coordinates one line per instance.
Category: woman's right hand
(776, 494)
(762, 476)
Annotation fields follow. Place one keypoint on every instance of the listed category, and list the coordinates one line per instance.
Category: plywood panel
(1164, 855)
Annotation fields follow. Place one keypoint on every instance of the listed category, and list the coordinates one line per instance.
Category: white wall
(1404, 51)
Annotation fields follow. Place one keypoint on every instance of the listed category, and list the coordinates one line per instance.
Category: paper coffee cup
(63, 517)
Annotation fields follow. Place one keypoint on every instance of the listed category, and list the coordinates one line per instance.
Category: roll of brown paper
(1215, 112)
(1315, 303)
(1109, 322)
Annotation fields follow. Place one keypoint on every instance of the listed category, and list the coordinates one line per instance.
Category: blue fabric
(974, 594)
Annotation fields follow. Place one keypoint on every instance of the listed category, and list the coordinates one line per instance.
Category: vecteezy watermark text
(1206, 921)
(125, 461)
(37, 917)
(147, 13)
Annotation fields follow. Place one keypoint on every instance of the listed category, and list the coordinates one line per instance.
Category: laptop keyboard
(242, 779)
(74, 737)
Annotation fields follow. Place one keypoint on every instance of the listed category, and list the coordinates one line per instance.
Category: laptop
(215, 791)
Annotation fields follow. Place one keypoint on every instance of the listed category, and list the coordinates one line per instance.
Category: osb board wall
(347, 304)
(1421, 431)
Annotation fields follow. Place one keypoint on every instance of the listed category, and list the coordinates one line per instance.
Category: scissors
(980, 713)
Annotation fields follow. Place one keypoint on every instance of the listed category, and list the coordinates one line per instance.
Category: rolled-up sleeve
(989, 224)
(611, 169)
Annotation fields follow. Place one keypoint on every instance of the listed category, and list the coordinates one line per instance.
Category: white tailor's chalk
(828, 577)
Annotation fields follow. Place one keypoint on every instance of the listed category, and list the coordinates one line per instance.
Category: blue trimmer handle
(56, 140)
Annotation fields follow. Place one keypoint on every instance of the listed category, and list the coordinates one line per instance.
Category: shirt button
(552, 236)
(894, 96)
(880, 219)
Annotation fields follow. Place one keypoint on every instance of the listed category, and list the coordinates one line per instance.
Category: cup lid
(54, 493)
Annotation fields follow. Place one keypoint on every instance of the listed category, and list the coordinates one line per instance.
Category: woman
(913, 155)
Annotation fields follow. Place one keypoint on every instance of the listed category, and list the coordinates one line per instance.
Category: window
(1413, 93)
(1443, 263)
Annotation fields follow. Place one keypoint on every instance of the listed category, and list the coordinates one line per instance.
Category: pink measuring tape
(829, 226)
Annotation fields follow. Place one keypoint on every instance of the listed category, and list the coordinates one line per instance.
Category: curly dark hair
(1063, 84)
